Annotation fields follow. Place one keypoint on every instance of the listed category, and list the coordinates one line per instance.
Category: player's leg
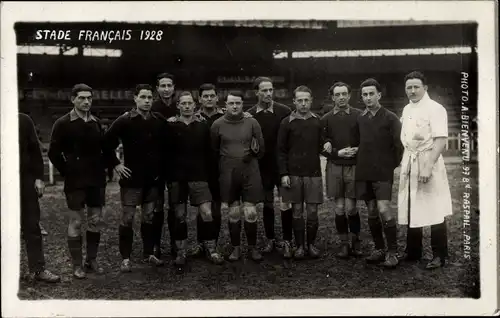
(294, 196)
(252, 194)
(335, 190)
(234, 225)
(354, 220)
(268, 213)
(179, 197)
(201, 197)
(171, 221)
(313, 197)
(342, 226)
(76, 205)
(148, 203)
(286, 226)
(95, 224)
(159, 219)
(130, 199)
(364, 191)
(30, 219)
(383, 192)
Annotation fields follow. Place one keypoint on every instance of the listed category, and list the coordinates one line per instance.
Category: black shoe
(255, 254)
(287, 250)
(47, 277)
(93, 266)
(313, 251)
(410, 258)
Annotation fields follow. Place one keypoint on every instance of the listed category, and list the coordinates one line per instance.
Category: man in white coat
(424, 195)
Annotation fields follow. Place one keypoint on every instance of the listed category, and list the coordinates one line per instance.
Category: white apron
(431, 201)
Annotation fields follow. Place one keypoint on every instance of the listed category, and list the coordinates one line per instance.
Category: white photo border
(482, 12)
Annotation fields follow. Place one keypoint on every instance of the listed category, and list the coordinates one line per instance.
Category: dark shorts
(197, 192)
(340, 181)
(303, 189)
(92, 197)
(240, 181)
(138, 196)
(374, 190)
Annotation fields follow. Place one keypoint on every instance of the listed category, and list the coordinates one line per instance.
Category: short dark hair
(302, 88)
(339, 84)
(371, 82)
(260, 80)
(80, 88)
(164, 75)
(206, 87)
(140, 87)
(416, 75)
(184, 93)
(235, 93)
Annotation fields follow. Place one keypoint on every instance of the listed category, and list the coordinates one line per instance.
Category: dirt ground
(326, 277)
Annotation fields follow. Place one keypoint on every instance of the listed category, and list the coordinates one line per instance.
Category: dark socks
(298, 230)
(251, 233)
(158, 221)
(75, 249)
(341, 224)
(354, 223)
(312, 230)
(376, 230)
(235, 233)
(287, 224)
(93, 239)
(439, 240)
(391, 235)
(147, 239)
(269, 222)
(126, 238)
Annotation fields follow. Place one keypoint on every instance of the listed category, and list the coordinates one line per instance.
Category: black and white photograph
(252, 158)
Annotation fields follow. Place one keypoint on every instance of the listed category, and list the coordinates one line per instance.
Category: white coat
(431, 201)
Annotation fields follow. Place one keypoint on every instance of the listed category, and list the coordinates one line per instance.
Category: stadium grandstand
(232, 53)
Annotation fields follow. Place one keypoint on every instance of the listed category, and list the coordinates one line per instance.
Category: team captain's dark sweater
(78, 153)
(145, 143)
(191, 145)
(339, 129)
(299, 145)
(270, 125)
(380, 148)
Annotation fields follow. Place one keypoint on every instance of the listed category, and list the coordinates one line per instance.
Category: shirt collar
(294, 115)
(374, 112)
(219, 111)
(269, 109)
(196, 118)
(337, 109)
(135, 113)
(74, 116)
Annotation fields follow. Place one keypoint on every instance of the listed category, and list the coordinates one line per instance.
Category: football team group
(225, 161)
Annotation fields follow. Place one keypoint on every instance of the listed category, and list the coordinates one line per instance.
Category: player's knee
(339, 209)
(250, 212)
(205, 210)
(128, 216)
(75, 224)
(297, 210)
(351, 210)
(389, 222)
(234, 214)
(180, 212)
(312, 212)
(95, 222)
(285, 206)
